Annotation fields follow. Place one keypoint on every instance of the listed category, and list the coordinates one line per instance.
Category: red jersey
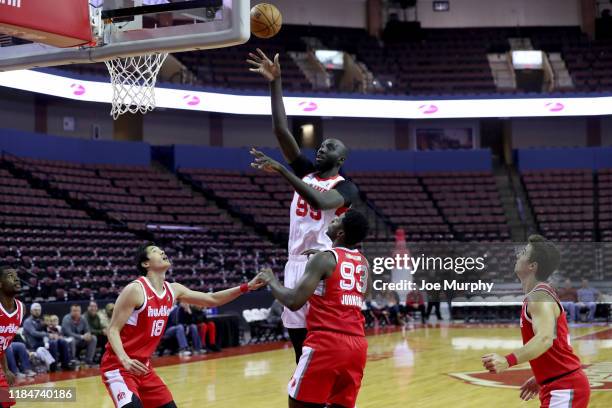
(558, 360)
(336, 303)
(144, 329)
(9, 324)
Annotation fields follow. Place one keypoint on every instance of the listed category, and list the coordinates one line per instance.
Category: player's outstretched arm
(271, 70)
(318, 267)
(543, 310)
(130, 299)
(203, 299)
(319, 200)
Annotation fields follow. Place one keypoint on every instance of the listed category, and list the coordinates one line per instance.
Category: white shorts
(294, 269)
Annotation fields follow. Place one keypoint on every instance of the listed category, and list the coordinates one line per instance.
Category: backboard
(124, 28)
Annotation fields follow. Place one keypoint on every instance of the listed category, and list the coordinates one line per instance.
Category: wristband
(511, 359)
(244, 288)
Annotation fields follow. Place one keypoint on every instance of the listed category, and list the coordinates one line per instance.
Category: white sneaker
(30, 373)
(20, 375)
(184, 353)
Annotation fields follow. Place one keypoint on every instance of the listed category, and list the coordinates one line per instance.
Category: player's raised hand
(270, 70)
(529, 389)
(134, 366)
(265, 163)
(494, 363)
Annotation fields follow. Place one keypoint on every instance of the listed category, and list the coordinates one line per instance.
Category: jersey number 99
(302, 209)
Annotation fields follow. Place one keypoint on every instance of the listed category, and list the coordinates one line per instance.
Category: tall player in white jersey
(321, 193)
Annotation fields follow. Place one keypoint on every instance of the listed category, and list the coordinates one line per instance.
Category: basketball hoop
(133, 80)
(132, 37)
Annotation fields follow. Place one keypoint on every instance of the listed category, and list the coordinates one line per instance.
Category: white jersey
(308, 226)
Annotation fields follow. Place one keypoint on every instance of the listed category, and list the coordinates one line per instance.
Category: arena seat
(562, 201)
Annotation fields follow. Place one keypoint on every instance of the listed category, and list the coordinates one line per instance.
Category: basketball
(266, 20)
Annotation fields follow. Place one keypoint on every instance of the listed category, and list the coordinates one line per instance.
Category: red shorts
(149, 388)
(571, 391)
(330, 369)
(5, 398)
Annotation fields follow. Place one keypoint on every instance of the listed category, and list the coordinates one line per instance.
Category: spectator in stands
(276, 310)
(76, 327)
(378, 308)
(18, 351)
(55, 332)
(36, 336)
(569, 298)
(105, 317)
(95, 325)
(176, 331)
(587, 298)
(207, 329)
(274, 318)
(53, 325)
(187, 318)
(394, 308)
(415, 302)
(433, 300)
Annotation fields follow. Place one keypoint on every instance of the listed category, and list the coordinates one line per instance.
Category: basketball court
(434, 366)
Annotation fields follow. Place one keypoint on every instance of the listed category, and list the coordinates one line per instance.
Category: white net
(133, 80)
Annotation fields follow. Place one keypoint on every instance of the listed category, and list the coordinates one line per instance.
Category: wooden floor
(421, 367)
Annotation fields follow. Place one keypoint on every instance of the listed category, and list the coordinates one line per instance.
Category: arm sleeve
(302, 166)
(348, 191)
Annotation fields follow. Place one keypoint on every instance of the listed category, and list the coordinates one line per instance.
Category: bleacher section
(258, 199)
(563, 203)
(226, 67)
(401, 198)
(604, 198)
(73, 227)
(438, 61)
(76, 231)
(470, 203)
(135, 195)
(590, 64)
(462, 206)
